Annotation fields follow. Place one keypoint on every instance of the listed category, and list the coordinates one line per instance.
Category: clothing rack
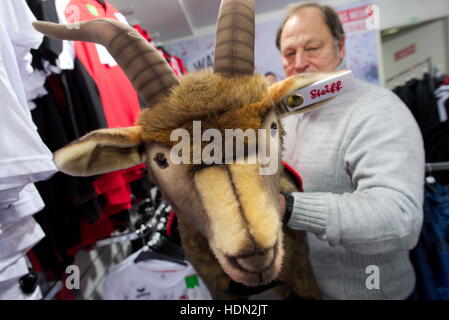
(437, 166)
(142, 232)
(54, 289)
(427, 61)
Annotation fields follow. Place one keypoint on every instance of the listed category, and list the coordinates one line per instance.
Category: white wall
(394, 13)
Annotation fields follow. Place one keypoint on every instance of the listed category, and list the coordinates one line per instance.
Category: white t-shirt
(24, 158)
(19, 232)
(16, 18)
(13, 267)
(151, 280)
(10, 290)
(66, 59)
(9, 196)
(19, 236)
(28, 203)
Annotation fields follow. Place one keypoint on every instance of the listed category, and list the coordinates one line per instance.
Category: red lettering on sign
(355, 14)
(407, 51)
(334, 87)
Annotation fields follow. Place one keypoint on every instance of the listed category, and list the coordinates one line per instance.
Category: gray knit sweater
(361, 158)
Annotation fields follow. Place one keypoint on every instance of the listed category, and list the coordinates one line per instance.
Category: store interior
(83, 238)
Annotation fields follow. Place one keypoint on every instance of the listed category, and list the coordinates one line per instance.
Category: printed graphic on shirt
(142, 294)
(153, 280)
(92, 9)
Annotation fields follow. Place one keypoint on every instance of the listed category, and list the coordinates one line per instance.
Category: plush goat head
(231, 204)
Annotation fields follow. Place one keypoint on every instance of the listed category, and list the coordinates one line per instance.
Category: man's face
(307, 44)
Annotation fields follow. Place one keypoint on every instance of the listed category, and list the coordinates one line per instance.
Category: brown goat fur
(218, 102)
(226, 107)
(296, 277)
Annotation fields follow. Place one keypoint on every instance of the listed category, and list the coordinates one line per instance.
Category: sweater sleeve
(382, 151)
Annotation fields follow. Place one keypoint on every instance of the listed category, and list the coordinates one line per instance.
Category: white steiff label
(324, 89)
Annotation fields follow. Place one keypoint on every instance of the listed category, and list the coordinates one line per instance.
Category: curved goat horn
(234, 48)
(144, 66)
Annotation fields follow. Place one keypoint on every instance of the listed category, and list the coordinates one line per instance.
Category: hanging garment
(143, 32)
(430, 258)
(13, 268)
(175, 62)
(11, 290)
(426, 105)
(17, 19)
(19, 232)
(442, 96)
(437, 149)
(98, 95)
(420, 99)
(79, 211)
(49, 50)
(28, 203)
(177, 65)
(16, 239)
(152, 280)
(24, 157)
(118, 97)
(119, 100)
(19, 236)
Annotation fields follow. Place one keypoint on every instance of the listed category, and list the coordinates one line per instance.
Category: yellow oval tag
(92, 9)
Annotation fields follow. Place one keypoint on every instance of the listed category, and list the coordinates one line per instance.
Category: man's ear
(307, 91)
(341, 49)
(102, 151)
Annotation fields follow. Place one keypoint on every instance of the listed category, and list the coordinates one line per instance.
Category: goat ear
(101, 151)
(303, 92)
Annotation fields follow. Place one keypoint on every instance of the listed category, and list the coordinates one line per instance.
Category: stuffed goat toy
(228, 213)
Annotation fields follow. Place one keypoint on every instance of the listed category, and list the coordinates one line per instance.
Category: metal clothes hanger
(159, 246)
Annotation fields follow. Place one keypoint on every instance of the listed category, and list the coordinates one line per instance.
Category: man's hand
(285, 207)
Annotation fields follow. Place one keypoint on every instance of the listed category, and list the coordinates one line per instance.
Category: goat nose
(257, 262)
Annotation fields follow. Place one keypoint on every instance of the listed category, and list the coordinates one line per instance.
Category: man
(361, 158)
(271, 77)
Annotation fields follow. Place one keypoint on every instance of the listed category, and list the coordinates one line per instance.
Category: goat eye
(273, 127)
(161, 160)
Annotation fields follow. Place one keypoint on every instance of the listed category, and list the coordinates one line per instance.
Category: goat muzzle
(258, 262)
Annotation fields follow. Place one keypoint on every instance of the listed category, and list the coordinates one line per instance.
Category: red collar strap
(169, 227)
(294, 174)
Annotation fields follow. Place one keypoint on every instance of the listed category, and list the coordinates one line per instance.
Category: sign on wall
(405, 52)
(202, 61)
(360, 22)
(197, 53)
